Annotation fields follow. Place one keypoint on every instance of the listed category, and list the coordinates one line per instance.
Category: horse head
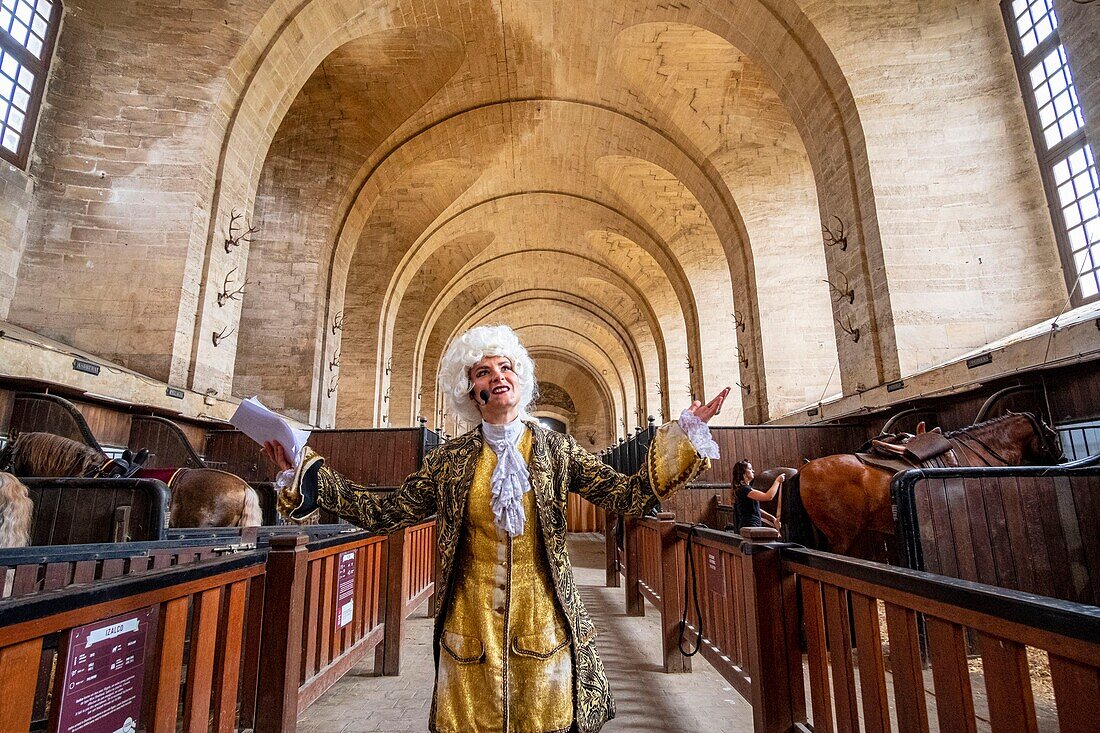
(1045, 446)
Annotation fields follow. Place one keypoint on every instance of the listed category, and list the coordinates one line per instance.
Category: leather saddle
(125, 466)
(903, 451)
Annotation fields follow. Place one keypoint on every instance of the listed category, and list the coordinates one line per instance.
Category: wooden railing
(27, 570)
(271, 628)
(778, 618)
(419, 564)
(215, 595)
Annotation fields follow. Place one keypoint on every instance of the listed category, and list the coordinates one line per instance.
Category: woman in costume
(514, 645)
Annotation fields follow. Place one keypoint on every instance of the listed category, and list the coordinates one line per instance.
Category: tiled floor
(647, 699)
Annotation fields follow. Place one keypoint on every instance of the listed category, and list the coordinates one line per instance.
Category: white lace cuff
(698, 432)
(284, 478)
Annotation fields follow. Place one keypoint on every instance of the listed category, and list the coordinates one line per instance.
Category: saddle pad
(160, 474)
(890, 465)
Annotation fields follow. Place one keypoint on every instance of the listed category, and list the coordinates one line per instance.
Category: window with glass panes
(1058, 127)
(27, 32)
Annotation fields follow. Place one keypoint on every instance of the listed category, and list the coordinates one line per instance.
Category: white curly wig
(470, 348)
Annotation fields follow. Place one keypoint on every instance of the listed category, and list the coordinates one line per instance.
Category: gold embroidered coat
(557, 466)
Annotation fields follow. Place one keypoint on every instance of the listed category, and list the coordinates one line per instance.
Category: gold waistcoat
(505, 654)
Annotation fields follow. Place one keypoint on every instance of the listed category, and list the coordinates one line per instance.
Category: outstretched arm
(312, 484)
(679, 452)
(771, 492)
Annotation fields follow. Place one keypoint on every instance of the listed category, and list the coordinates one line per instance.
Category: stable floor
(647, 698)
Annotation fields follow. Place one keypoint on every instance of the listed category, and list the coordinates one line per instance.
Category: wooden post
(635, 604)
(611, 549)
(778, 694)
(281, 637)
(387, 657)
(671, 561)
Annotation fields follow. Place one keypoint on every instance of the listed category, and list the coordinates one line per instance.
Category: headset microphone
(484, 395)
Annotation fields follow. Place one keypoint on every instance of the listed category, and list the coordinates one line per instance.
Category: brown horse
(15, 512)
(201, 497)
(849, 501)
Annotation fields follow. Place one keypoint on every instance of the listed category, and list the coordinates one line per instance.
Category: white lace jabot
(510, 477)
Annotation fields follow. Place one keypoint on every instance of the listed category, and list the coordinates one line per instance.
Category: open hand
(709, 410)
(274, 452)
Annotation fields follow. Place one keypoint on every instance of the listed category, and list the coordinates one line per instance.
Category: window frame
(1046, 157)
(40, 68)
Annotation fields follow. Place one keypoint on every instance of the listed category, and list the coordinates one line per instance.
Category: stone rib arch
(737, 252)
(549, 354)
(474, 273)
(780, 28)
(582, 343)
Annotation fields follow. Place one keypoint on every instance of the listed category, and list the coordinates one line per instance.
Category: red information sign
(345, 589)
(104, 675)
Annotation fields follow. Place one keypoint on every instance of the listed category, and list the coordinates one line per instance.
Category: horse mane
(987, 423)
(15, 512)
(46, 454)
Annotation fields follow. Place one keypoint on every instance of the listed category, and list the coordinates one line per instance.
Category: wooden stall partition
(698, 503)
(1031, 529)
(168, 445)
(770, 446)
(71, 511)
(372, 457)
(46, 413)
(205, 603)
(583, 516)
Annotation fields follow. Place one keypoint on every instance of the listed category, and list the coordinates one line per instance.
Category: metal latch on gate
(233, 549)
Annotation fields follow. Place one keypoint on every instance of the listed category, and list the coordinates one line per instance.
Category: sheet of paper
(261, 424)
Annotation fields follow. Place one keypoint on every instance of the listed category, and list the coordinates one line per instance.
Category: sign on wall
(104, 675)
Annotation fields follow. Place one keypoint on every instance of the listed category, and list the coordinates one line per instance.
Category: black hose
(689, 567)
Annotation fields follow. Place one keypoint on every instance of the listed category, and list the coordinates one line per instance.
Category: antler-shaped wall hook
(739, 321)
(389, 365)
(333, 383)
(849, 329)
(235, 237)
(335, 363)
(746, 388)
(338, 322)
(690, 366)
(218, 336)
(386, 397)
(224, 294)
(741, 356)
(840, 292)
(840, 236)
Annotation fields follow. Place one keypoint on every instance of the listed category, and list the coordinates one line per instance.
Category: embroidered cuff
(296, 488)
(698, 432)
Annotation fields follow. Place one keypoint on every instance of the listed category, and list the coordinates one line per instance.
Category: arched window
(28, 29)
(1058, 128)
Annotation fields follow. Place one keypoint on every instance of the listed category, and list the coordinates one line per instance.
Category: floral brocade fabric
(557, 466)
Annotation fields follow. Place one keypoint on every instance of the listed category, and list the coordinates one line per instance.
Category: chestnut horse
(849, 501)
(201, 497)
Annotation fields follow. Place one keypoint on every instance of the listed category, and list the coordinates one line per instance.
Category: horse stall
(230, 634)
(74, 511)
(1028, 528)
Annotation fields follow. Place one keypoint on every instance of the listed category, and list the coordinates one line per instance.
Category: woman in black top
(747, 511)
